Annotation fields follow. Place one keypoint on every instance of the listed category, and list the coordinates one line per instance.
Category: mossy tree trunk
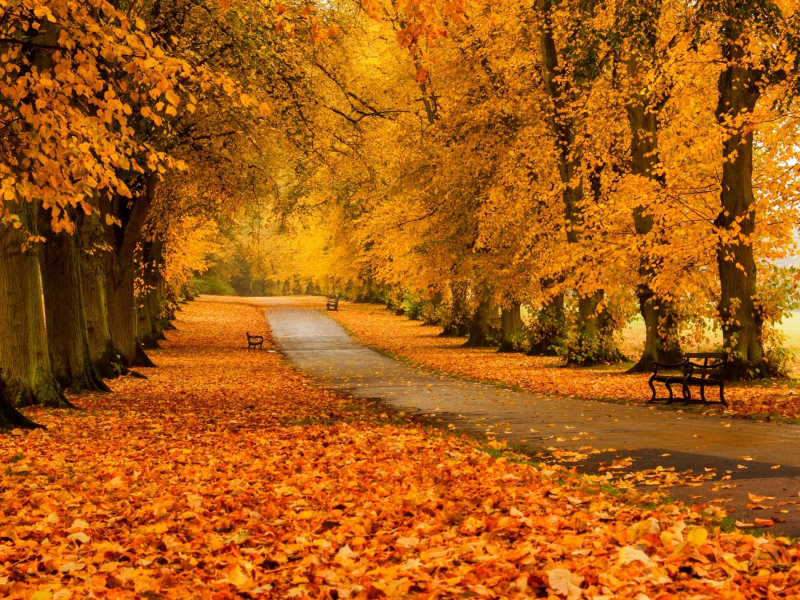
(156, 289)
(511, 318)
(24, 357)
(67, 336)
(120, 271)
(739, 91)
(479, 328)
(91, 236)
(10, 417)
(548, 329)
(562, 124)
(662, 342)
(458, 324)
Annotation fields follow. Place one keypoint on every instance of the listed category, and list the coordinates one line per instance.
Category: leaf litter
(227, 474)
(421, 344)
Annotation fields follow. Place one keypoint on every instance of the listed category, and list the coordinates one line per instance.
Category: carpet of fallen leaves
(226, 474)
(377, 327)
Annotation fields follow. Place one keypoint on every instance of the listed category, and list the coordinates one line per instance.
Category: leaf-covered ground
(412, 340)
(226, 474)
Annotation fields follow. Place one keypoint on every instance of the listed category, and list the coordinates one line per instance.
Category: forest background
(530, 174)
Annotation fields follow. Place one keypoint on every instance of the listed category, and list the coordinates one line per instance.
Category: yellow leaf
(698, 536)
(240, 579)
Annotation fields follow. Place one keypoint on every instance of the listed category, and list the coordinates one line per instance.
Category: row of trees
(586, 160)
(133, 136)
(128, 132)
(576, 158)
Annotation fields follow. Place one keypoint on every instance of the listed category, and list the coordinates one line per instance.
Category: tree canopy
(580, 162)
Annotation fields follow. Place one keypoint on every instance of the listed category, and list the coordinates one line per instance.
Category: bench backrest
(713, 366)
(706, 356)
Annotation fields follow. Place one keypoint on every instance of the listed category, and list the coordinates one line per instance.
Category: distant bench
(709, 374)
(333, 303)
(255, 341)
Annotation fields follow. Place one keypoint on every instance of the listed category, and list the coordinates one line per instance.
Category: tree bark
(156, 298)
(144, 325)
(549, 329)
(151, 304)
(741, 319)
(121, 308)
(24, 357)
(67, 336)
(479, 328)
(511, 319)
(662, 343)
(562, 124)
(459, 323)
(93, 285)
(594, 343)
(10, 417)
(590, 320)
(120, 272)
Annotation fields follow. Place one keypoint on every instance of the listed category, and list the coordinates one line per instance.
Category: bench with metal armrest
(711, 373)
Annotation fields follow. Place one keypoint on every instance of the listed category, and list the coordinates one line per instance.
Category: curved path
(652, 436)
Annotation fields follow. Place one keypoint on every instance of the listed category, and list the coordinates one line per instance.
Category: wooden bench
(333, 303)
(711, 373)
(255, 341)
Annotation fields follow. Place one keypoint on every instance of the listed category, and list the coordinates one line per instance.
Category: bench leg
(669, 389)
(652, 387)
(703, 393)
(722, 395)
(687, 393)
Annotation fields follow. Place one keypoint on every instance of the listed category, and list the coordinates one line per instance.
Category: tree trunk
(593, 342)
(590, 320)
(24, 357)
(120, 272)
(156, 299)
(662, 343)
(459, 321)
(10, 417)
(431, 315)
(479, 328)
(121, 307)
(562, 125)
(149, 305)
(144, 325)
(93, 286)
(549, 329)
(511, 319)
(67, 336)
(740, 317)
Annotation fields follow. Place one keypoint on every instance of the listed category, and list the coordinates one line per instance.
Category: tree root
(10, 417)
(141, 359)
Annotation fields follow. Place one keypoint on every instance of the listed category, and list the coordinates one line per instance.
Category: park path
(320, 347)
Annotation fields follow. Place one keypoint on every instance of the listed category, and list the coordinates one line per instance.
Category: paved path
(319, 346)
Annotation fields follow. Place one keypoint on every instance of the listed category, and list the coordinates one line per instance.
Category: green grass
(790, 327)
